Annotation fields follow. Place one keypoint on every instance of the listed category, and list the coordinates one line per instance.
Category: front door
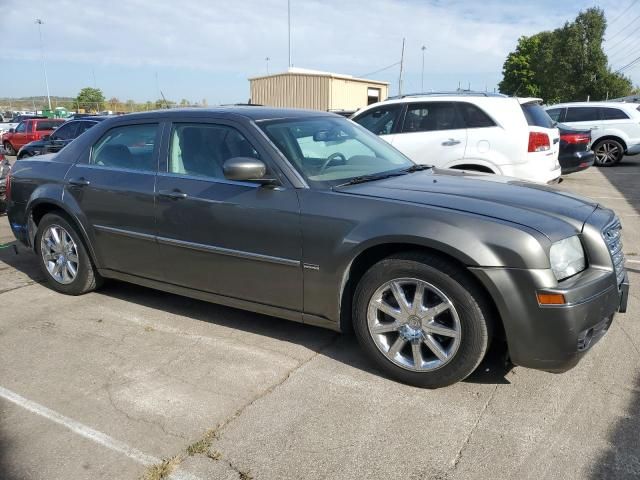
(433, 133)
(114, 187)
(236, 239)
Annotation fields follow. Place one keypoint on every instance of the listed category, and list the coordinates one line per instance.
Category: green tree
(90, 99)
(566, 64)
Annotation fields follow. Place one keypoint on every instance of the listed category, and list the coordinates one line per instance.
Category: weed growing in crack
(245, 475)
(214, 455)
(202, 445)
(162, 469)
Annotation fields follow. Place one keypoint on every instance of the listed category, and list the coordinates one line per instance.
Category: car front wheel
(63, 258)
(608, 152)
(422, 319)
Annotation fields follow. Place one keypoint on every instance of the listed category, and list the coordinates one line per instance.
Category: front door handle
(79, 182)
(451, 142)
(173, 194)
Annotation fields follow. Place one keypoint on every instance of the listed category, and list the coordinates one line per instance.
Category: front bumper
(576, 161)
(553, 338)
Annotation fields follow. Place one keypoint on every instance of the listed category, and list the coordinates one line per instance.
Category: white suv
(471, 131)
(615, 127)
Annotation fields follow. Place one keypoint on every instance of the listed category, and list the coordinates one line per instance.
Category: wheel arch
(473, 167)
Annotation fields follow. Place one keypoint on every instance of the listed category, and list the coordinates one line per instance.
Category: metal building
(302, 88)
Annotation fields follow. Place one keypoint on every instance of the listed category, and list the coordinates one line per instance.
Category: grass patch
(202, 445)
(162, 469)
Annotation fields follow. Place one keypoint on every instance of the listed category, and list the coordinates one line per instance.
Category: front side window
(381, 120)
(129, 146)
(65, 132)
(555, 113)
(432, 116)
(582, 114)
(22, 127)
(613, 114)
(201, 149)
(328, 151)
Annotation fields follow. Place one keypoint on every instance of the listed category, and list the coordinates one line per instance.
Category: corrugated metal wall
(291, 91)
(316, 92)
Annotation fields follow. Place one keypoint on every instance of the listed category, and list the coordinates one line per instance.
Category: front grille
(612, 235)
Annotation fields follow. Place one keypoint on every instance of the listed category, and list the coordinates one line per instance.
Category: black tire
(474, 313)
(9, 148)
(87, 278)
(608, 152)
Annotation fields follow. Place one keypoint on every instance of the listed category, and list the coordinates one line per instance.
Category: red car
(28, 131)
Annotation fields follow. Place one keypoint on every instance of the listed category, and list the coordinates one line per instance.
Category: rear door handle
(173, 194)
(594, 128)
(79, 182)
(451, 142)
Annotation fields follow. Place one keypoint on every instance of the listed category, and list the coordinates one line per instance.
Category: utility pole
(289, 29)
(44, 65)
(422, 79)
(401, 68)
(267, 60)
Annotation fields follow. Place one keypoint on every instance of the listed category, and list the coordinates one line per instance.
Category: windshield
(329, 151)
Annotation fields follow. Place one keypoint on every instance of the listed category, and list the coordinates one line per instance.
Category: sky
(207, 49)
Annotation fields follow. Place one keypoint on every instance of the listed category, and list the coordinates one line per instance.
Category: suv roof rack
(444, 93)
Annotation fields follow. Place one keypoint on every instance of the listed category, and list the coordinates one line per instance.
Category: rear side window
(582, 114)
(129, 147)
(65, 132)
(84, 126)
(431, 116)
(47, 125)
(613, 114)
(474, 117)
(555, 113)
(381, 120)
(537, 116)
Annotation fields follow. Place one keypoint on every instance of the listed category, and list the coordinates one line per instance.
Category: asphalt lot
(106, 385)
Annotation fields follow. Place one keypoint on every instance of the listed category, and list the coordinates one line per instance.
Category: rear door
(114, 185)
(617, 119)
(432, 133)
(587, 118)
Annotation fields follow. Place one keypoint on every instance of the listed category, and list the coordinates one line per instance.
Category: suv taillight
(539, 142)
(576, 138)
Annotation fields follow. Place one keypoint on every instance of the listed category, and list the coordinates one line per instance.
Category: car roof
(254, 113)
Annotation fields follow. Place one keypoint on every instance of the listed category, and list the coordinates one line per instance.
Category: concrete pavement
(108, 384)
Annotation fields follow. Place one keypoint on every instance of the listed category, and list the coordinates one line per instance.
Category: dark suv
(57, 140)
(308, 216)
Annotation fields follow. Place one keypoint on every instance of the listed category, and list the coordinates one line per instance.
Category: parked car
(62, 136)
(235, 206)
(615, 127)
(470, 131)
(15, 121)
(5, 167)
(575, 152)
(28, 131)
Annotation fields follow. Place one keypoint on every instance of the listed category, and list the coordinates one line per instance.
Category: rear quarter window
(537, 116)
(613, 114)
(47, 125)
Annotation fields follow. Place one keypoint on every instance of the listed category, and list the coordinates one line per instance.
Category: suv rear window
(47, 125)
(537, 116)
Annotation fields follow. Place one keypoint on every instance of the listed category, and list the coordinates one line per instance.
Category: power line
(622, 29)
(378, 71)
(623, 12)
(628, 65)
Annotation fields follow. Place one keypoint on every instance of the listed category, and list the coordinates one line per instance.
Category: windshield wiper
(417, 168)
(370, 178)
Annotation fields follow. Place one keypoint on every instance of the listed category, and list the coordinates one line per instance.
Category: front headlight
(567, 258)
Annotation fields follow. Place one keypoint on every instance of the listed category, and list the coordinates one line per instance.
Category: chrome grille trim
(612, 235)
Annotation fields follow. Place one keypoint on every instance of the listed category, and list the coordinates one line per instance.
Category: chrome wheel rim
(414, 324)
(607, 153)
(59, 254)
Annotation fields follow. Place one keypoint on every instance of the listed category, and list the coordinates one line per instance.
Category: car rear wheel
(63, 258)
(422, 320)
(608, 152)
(9, 148)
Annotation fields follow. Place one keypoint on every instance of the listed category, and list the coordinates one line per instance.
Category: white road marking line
(89, 433)
(633, 261)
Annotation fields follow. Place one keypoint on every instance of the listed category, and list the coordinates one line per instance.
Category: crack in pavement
(467, 440)
(7, 290)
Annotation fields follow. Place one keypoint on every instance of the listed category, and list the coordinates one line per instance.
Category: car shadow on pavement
(621, 460)
(16, 256)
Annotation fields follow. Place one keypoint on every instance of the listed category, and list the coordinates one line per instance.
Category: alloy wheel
(414, 324)
(607, 153)
(60, 254)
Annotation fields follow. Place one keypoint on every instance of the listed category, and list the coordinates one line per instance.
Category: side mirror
(12, 130)
(46, 137)
(246, 169)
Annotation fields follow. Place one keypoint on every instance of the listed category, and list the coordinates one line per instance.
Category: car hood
(553, 213)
